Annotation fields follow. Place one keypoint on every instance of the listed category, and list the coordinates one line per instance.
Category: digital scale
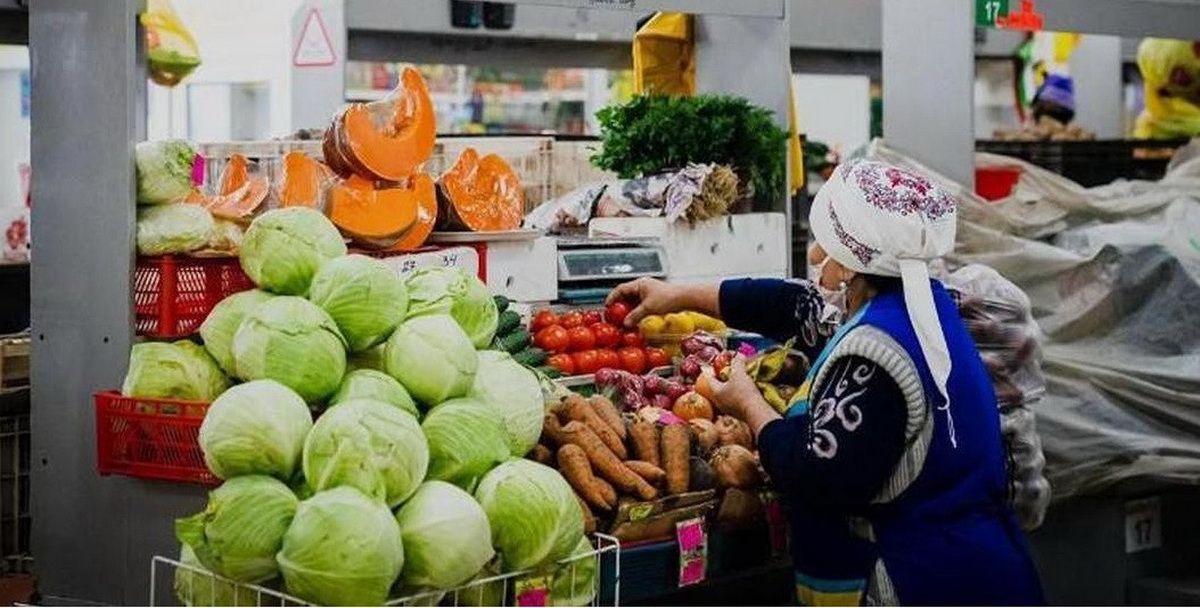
(589, 268)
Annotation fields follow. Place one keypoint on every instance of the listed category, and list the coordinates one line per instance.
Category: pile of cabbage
(368, 450)
(165, 223)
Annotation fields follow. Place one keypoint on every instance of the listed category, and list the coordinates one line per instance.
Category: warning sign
(314, 47)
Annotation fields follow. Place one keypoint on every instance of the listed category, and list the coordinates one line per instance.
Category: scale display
(600, 264)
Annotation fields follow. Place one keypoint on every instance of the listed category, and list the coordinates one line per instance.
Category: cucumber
(532, 356)
(501, 303)
(514, 342)
(550, 372)
(509, 322)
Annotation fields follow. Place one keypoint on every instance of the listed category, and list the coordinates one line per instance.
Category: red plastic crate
(150, 438)
(173, 295)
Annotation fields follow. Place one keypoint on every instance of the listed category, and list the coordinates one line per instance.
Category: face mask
(835, 299)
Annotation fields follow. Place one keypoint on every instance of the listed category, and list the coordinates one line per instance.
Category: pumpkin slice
(302, 181)
(374, 215)
(330, 149)
(427, 216)
(480, 194)
(242, 202)
(389, 139)
(234, 175)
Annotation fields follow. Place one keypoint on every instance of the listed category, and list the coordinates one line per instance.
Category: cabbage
(342, 549)
(283, 248)
(199, 589)
(458, 293)
(292, 341)
(365, 298)
(226, 235)
(238, 534)
(574, 582)
(515, 393)
(484, 594)
(534, 514)
(372, 358)
(369, 445)
(222, 322)
(446, 536)
(432, 358)
(164, 171)
(174, 228)
(465, 441)
(255, 428)
(180, 370)
(378, 386)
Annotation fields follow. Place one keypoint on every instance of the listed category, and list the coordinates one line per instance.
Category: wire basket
(605, 558)
(150, 438)
(172, 295)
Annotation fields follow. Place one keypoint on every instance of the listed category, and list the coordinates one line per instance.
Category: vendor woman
(889, 459)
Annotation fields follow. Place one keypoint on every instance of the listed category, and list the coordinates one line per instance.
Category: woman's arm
(777, 309)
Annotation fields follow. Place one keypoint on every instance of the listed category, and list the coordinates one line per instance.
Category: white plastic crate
(529, 156)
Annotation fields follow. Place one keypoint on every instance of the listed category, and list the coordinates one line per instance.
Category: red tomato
(632, 338)
(633, 360)
(615, 313)
(586, 362)
(721, 361)
(582, 338)
(608, 358)
(553, 339)
(571, 319)
(542, 320)
(563, 363)
(592, 317)
(607, 335)
(657, 357)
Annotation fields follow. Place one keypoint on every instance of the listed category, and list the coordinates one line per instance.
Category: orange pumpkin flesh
(427, 216)
(481, 194)
(234, 175)
(302, 180)
(240, 190)
(378, 216)
(388, 139)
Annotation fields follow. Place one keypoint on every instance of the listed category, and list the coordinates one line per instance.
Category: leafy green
(533, 512)
(256, 428)
(574, 582)
(364, 297)
(179, 370)
(514, 392)
(291, 340)
(432, 358)
(458, 293)
(375, 385)
(222, 323)
(164, 171)
(446, 536)
(283, 248)
(173, 228)
(466, 441)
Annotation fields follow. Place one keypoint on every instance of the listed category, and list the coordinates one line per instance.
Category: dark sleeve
(777, 309)
(842, 452)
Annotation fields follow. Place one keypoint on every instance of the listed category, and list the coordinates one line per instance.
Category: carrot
(578, 409)
(589, 520)
(647, 471)
(574, 466)
(552, 430)
(675, 451)
(607, 411)
(605, 462)
(542, 454)
(645, 441)
(480, 194)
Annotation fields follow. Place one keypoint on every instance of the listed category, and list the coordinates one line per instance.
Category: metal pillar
(1096, 72)
(928, 84)
(92, 537)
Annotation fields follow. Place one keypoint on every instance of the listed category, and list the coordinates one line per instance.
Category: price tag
(640, 512)
(451, 257)
(693, 551)
(987, 12)
(1143, 524)
(533, 591)
(776, 524)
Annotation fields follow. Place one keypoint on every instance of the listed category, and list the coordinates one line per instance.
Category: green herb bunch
(653, 133)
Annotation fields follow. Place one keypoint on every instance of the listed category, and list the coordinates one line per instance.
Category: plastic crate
(996, 183)
(173, 295)
(150, 438)
(1092, 163)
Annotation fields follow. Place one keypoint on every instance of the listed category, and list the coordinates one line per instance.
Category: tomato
(616, 312)
(563, 363)
(542, 320)
(553, 339)
(632, 338)
(571, 319)
(722, 360)
(586, 362)
(592, 317)
(633, 359)
(582, 338)
(657, 357)
(608, 358)
(607, 335)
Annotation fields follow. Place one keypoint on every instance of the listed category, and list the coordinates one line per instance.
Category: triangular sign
(314, 47)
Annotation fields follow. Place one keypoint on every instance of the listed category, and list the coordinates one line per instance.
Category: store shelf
(515, 97)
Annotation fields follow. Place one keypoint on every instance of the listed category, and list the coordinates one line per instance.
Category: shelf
(517, 97)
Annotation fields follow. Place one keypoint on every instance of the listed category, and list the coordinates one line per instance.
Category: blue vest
(950, 537)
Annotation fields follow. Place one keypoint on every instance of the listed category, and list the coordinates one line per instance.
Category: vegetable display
(376, 386)
(458, 293)
(222, 323)
(513, 391)
(164, 171)
(180, 370)
(480, 194)
(446, 536)
(256, 428)
(466, 440)
(432, 358)
(173, 228)
(292, 341)
(282, 249)
(364, 298)
(533, 514)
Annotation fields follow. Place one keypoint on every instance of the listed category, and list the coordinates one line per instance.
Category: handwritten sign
(693, 551)
(451, 257)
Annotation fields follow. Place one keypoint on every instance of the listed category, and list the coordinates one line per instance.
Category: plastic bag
(171, 52)
(1171, 72)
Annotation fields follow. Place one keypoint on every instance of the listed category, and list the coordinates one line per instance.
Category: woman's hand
(740, 398)
(655, 297)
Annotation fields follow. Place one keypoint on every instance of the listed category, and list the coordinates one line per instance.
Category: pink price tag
(693, 551)
(533, 591)
(198, 170)
(691, 536)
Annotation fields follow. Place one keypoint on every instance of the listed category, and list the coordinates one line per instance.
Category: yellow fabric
(807, 596)
(664, 56)
(1171, 71)
(795, 150)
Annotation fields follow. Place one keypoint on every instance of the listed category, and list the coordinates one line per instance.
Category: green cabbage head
(373, 446)
(173, 228)
(465, 441)
(164, 171)
(458, 293)
(256, 428)
(432, 358)
(342, 549)
(533, 512)
(516, 395)
(197, 589)
(283, 248)
(363, 296)
(292, 341)
(574, 582)
(238, 534)
(372, 358)
(377, 386)
(179, 370)
(446, 537)
(222, 323)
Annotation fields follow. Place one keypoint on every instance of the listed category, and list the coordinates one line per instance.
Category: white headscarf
(878, 219)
